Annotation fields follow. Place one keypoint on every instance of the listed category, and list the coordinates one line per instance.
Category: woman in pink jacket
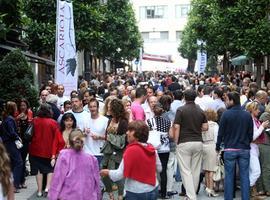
(76, 174)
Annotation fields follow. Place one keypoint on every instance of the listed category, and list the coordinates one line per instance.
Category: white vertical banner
(201, 58)
(66, 71)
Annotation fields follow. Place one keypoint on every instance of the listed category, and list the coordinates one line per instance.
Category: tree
(17, 79)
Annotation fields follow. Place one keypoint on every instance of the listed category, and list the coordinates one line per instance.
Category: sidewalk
(30, 192)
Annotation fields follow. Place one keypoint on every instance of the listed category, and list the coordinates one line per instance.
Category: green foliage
(17, 79)
(99, 28)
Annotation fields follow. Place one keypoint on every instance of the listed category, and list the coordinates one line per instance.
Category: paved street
(30, 192)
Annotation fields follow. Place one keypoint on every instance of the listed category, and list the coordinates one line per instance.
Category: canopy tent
(239, 60)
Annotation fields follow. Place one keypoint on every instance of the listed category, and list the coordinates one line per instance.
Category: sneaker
(171, 193)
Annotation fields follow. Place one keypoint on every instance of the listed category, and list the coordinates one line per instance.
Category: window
(145, 35)
(178, 35)
(182, 10)
(153, 12)
(155, 36)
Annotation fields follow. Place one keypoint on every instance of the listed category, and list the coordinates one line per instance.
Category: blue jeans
(153, 195)
(240, 157)
(99, 158)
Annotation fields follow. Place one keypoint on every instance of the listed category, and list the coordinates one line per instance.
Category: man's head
(152, 102)
(150, 92)
(178, 95)
(233, 99)
(88, 95)
(48, 88)
(141, 94)
(261, 96)
(93, 106)
(189, 95)
(77, 104)
(60, 90)
(67, 105)
(43, 95)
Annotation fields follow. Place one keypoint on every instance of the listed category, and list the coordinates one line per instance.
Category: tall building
(161, 23)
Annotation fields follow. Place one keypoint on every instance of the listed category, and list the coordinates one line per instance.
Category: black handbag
(28, 134)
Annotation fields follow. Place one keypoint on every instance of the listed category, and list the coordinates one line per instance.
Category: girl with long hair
(11, 140)
(67, 124)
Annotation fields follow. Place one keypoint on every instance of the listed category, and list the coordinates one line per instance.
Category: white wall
(171, 24)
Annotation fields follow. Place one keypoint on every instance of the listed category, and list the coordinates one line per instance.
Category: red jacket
(46, 140)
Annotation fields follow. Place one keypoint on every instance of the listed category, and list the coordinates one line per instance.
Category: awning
(160, 58)
(33, 58)
(240, 60)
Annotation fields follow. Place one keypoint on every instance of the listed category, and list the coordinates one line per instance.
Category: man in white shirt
(82, 117)
(206, 102)
(97, 128)
(61, 97)
(218, 103)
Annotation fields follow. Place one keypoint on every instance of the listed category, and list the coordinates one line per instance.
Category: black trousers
(164, 157)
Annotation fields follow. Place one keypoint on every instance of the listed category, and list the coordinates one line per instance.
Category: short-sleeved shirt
(190, 117)
(137, 111)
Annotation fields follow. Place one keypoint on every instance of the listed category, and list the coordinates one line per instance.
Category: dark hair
(235, 97)
(207, 90)
(24, 101)
(67, 102)
(178, 94)
(165, 101)
(218, 92)
(158, 109)
(141, 130)
(45, 111)
(79, 96)
(190, 95)
(117, 109)
(64, 118)
(91, 93)
(140, 92)
(200, 88)
(72, 95)
(94, 100)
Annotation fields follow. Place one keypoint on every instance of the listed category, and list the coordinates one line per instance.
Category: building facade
(161, 23)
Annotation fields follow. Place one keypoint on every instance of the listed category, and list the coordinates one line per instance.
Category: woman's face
(255, 112)
(128, 106)
(130, 136)
(23, 107)
(68, 123)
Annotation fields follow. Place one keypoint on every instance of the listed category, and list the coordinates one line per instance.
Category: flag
(66, 70)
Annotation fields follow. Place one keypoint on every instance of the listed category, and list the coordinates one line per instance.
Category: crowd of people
(137, 134)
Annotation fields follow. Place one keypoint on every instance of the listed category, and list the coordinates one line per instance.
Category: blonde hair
(79, 134)
(251, 106)
(211, 115)
(5, 172)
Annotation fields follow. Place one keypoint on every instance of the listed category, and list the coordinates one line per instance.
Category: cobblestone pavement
(30, 192)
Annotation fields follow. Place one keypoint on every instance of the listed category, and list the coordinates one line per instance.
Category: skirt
(209, 157)
(39, 164)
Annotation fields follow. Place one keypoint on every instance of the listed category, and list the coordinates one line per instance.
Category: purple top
(76, 176)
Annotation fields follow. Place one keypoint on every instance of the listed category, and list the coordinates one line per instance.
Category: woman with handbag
(114, 145)
(140, 177)
(44, 146)
(12, 142)
(24, 117)
(162, 126)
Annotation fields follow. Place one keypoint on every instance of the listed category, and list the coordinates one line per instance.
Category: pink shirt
(137, 111)
(76, 176)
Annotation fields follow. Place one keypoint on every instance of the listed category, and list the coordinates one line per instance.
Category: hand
(104, 172)
(95, 137)
(86, 131)
(265, 124)
(53, 162)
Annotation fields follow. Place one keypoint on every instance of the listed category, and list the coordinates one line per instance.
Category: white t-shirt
(82, 119)
(98, 127)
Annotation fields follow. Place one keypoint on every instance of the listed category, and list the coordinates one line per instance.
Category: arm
(10, 129)
(10, 195)
(176, 128)
(117, 174)
(257, 131)
(221, 132)
(59, 175)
